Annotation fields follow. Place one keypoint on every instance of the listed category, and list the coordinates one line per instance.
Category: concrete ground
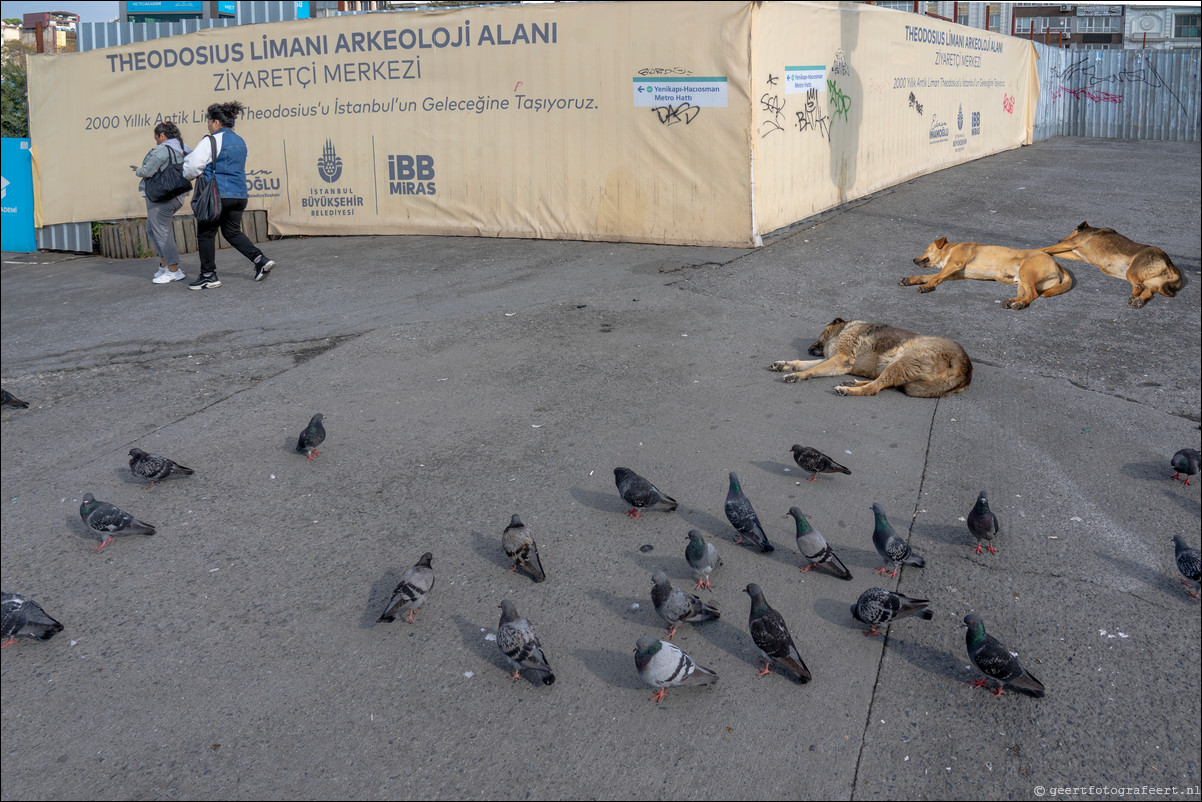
(236, 654)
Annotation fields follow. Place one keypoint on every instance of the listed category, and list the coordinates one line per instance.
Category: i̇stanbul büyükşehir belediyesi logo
(329, 166)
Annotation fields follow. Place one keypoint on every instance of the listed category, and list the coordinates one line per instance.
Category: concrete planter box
(128, 240)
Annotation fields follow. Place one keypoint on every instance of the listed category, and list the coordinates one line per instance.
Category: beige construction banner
(635, 121)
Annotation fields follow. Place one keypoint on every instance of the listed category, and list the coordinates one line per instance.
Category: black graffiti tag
(670, 115)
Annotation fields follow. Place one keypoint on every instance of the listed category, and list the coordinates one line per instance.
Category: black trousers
(230, 226)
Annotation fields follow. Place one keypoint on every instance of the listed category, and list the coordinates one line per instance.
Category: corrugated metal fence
(1119, 94)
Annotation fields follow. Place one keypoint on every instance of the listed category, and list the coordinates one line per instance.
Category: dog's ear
(836, 321)
(1084, 225)
(941, 242)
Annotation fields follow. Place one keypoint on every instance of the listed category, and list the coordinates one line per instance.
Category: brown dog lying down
(916, 364)
(1035, 273)
(1148, 269)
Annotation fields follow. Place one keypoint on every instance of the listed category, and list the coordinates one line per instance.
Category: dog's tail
(1066, 283)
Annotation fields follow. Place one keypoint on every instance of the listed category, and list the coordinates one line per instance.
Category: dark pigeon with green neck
(996, 661)
(983, 523)
(893, 549)
(771, 635)
(1186, 462)
(313, 436)
(743, 518)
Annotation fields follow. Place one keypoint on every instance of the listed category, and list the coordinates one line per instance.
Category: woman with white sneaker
(228, 164)
(168, 147)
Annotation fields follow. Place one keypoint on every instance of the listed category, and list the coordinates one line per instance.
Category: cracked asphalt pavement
(236, 654)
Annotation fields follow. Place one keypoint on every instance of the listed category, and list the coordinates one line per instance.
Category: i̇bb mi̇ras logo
(411, 175)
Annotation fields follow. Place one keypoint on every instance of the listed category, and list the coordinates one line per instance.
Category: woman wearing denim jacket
(169, 147)
(230, 169)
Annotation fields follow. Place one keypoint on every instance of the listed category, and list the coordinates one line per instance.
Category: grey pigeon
(22, 618)
(771, 635)
(1186, 462)
(154, 467)
(7, 399)
(1189, 563)
(815, 462)
(996, 661)
(675, 605)
(893, 549)
(517, 641)
(640, 494)
(743, 518)
(878, 607)
(983, 523)
(813, 547)
(662, 665)
(411, 591)
(312, 436)
(702, 557)
(520, 546)
(107, 520)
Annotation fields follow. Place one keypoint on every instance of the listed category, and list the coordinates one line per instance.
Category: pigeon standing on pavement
(743, 518)
(815, 462)
(154, 467)
(771, 635)
(983, 523)
(893, 549)
(108, 521)
(877, 606)
(640, 494)
(7, 399)
(675, 605)
(997, 661)
(1189, 563)
(703, 557)
(411, 591)
(662, 665)
(22, 618)
(520, 546)
(312, 436)
(517, 641)
(1186, 462)
(813, 547)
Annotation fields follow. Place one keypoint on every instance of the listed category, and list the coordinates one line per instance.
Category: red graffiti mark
(519, 83)
(1008, 103)
(1096, 95)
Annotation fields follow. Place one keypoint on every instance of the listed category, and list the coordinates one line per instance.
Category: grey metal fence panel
(1124, 94)
(66, 237)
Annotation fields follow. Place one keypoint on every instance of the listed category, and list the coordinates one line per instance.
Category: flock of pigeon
(660, 663)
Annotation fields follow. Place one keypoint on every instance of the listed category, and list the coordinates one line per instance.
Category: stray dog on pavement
(1149, 269)
(1034, 271)
(917, 364)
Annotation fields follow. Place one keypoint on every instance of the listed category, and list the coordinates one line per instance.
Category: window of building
(1185, 26)
(994, 20)
(1099, 24)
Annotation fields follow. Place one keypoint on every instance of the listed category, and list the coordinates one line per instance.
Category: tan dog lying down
(1034, 271)
(1149, 269)
(916, 364)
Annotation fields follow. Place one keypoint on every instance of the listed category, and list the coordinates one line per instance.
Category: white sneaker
(159, 274)
(163, 278)
(178, 275)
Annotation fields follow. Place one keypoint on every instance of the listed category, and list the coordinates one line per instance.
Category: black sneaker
(205, 282)
(261, 270)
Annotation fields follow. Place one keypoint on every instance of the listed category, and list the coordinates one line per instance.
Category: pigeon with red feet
(893, 550)
(640, 493)
(742, 516)
(772, 637)
(815, 462)
(983, 523)
(813, 547)
(996, 661)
